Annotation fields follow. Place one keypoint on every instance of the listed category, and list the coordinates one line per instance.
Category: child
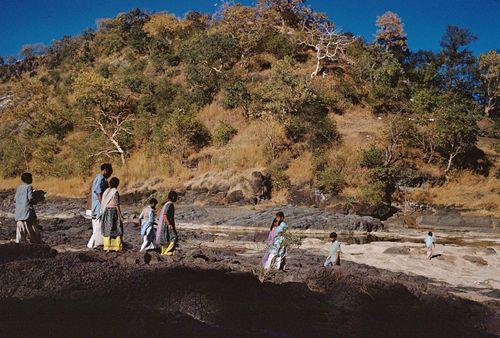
(147, 219)
(334, 256)
(429, 244)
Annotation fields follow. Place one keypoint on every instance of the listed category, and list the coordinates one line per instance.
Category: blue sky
(40, 21)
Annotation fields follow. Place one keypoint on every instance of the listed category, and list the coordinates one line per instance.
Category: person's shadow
(436, 255)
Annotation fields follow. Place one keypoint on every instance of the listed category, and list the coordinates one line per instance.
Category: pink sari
(270, 242)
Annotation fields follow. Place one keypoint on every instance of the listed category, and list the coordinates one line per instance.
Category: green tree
(185, 134)
(457, 63)
(15, 154)
(489, 67)
(208, 57)
(381, 79)
(456, 129)
(290, 99)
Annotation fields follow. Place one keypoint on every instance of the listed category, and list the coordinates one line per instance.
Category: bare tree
(106, 108)
(112, 126)
(330, 45)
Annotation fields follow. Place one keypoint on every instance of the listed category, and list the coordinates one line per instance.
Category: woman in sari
(270, 242)
(111, 217)
(277, 252)
(166, 234)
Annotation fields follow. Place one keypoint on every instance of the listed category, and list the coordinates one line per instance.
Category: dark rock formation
(397, 250)
(476, 260)
(453, 218)
(306, 218)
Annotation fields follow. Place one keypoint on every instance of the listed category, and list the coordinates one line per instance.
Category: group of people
(158, 233)
(107, 218)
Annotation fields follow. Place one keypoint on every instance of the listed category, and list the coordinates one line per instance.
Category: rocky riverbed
(214, 285)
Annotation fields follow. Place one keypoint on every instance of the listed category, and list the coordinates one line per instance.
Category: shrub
(186, 133)
(295, 128)
(372, 193)
(372, 157)
(14, 156)
(235, 95)
(81, 145)
(324, 132)
(207, 58)
(276, 43)
(280, 179)
(45, 161)
(103, 69)
(382, 175)
(223, 133)
(330, 181)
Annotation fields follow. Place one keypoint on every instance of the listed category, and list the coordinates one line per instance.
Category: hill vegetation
(274, 86)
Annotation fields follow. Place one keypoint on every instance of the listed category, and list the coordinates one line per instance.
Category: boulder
(235, 195)
(247, 186)
(488, 251)
(397, 250)
(453, 218)
(476, 260)
(380, 211)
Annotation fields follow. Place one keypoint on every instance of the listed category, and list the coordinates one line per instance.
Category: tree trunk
(119, 149)
(450, 161)
(318, 63)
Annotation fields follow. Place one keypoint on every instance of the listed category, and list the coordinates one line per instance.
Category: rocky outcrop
(397, 250)
(248, 186)
(4, 101)
(307, 218)
(453, 218)
(476, 260)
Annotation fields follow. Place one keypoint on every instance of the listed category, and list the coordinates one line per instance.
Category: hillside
(273, 88)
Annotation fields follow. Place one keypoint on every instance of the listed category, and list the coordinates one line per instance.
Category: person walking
(99, 185)
(277, 254)
(334, 252)
(430, 244)
(147, 219)
(166, 234)
(111, 217)
(25, 215)
(269, 242)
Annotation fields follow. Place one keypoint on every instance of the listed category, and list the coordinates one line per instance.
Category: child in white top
(334, 256)
(147, 219)
(430, 244)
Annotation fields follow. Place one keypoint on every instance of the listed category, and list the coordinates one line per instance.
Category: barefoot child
(430, 244)
(334, 256)
(147, 219)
